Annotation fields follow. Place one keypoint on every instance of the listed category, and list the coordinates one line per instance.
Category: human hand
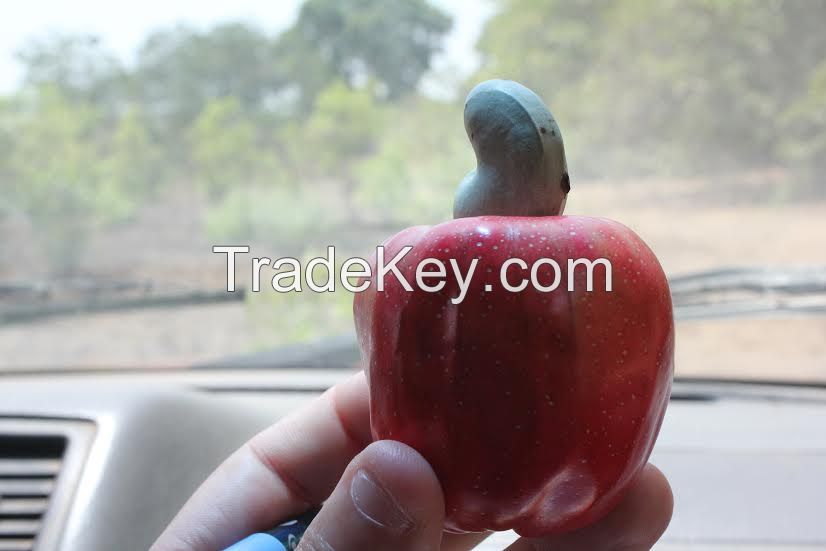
(377, 496)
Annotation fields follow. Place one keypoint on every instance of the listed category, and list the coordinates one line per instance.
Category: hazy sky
(123, 25)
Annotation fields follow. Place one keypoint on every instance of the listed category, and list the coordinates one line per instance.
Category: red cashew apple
(535, 407)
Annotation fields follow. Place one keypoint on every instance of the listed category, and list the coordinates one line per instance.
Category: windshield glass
(134, 139)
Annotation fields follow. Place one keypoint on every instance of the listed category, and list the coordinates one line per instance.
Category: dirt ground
(688, 225)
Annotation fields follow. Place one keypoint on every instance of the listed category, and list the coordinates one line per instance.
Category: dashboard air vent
(29, 465)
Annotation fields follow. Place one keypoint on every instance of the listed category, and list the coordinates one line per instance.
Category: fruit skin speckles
(585, 376)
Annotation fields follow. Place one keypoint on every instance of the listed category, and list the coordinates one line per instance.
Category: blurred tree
(285, 217)
(341, 131)
(545, 45)
(658, 87)
(6, 149)
(53, 141)
(133, 161)
(389, 43)
(53, 171)
(224, 149)
(296, 317)
(421, 157)
(79, 66)
(180, 70)
(805, 124)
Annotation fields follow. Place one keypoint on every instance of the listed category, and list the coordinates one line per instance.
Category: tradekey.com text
(431, 275)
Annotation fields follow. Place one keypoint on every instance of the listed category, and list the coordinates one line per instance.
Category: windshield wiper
(44, 290)
(742, 291)
(719, 293)
(25, 302)
(801, 280)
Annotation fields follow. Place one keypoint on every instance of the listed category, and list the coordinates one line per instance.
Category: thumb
(387, 499)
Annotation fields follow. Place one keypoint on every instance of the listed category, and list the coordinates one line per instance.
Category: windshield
(134, 139)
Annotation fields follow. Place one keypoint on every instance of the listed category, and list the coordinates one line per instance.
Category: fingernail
(376, 504)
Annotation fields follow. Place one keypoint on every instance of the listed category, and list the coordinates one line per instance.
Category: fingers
(276, 475)
(387, 499)
(634, 525)
(297, 462)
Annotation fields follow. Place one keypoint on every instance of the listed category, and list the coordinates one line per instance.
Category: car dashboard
(98, 460)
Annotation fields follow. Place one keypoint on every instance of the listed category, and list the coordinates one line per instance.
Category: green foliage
(423, 154)
(296, 317)
(78, 66)
(543, 45)
(52, 169)
(6, 147)
(181, 70)
(658, 87)
(805, 125)
(69, 171)
(342, 129)
(133, 166)
(224, 147)
(53, 141)
(88, 140)
(390, 43)
(321, 130)
(326, 149)
(277, 215)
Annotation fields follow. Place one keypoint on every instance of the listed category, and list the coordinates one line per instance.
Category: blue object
(258, 542)
(284, 537)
